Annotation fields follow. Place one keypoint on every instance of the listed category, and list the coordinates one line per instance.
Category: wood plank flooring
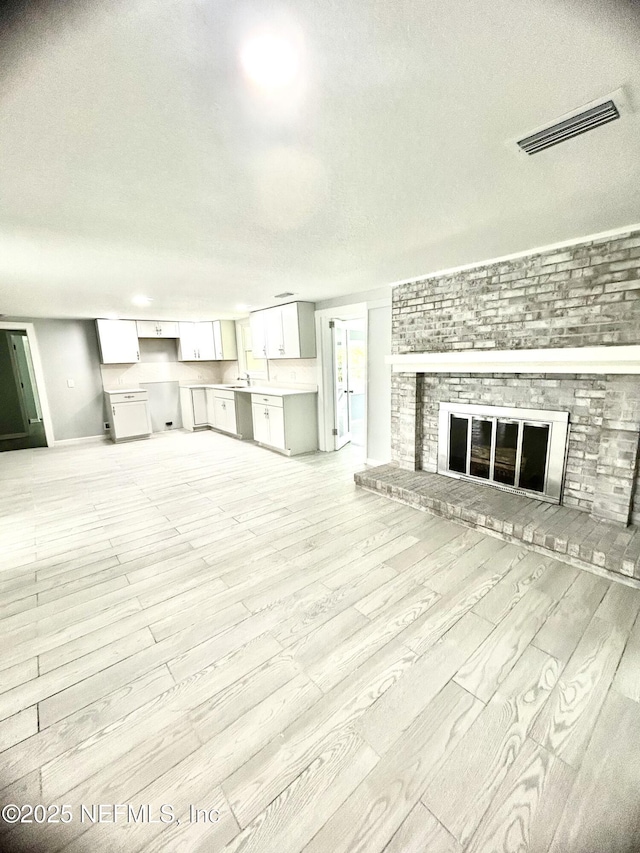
(192, 627)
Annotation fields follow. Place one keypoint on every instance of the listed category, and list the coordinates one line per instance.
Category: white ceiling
(136, 158)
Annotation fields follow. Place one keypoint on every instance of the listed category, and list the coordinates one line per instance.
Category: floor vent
(577, 124)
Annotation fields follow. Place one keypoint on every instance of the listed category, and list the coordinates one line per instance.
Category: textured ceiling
(135, 157)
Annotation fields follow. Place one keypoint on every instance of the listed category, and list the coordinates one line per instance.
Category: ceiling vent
(283, 295)
(581, 123)
(588, 117)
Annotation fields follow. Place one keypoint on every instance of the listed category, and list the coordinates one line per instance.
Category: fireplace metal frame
(558, 423)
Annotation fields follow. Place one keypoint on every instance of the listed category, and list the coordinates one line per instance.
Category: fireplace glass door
(504, 451)
(515, 449)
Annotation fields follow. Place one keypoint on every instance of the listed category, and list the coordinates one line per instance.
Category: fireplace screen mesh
(492, 444)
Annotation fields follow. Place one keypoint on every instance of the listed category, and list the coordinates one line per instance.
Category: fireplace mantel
(598, 360)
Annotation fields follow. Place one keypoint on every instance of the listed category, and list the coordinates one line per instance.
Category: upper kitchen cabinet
(196, 342)
(285, 331)
(118, 341)
(224, 340)
(157, 329)
(258, 327)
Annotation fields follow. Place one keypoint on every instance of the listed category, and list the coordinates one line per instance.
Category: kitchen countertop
(254, 389)
(125, 390)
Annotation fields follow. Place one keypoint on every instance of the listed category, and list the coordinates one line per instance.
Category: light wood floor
(194, 621)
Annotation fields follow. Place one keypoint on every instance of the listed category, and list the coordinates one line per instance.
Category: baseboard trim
(85, 439)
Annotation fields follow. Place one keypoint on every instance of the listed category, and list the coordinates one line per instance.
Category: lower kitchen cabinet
(193, 402)
(288, 423)
(128, 414)
(231, 412)
(225, 412)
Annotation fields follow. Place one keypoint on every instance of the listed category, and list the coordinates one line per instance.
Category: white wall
(378, 385)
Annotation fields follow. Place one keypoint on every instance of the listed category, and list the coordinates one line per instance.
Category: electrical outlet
(106, 425)
(120, 382)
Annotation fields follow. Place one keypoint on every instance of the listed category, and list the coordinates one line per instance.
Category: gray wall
(379, 384)
(69, 350)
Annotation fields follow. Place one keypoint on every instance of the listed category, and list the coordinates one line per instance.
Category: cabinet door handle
(113, 409)
(138, 355)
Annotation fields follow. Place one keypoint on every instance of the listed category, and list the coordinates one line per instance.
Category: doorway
(349, 342)
(21, 421)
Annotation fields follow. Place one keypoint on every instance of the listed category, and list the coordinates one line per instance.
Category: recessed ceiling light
(270, 61)
(142, 300)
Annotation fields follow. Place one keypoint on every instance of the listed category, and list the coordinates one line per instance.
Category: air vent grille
(567, 129)
(283, 295)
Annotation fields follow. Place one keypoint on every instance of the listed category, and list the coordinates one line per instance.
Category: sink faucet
(246, 378)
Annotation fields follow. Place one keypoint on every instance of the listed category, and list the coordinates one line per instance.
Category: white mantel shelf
(614, 359)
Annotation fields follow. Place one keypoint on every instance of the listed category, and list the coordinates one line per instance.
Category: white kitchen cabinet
(157, 329)
(257, 325)
(274, 332)
(286, 422)
(261, 431)
(118, 341)
(224, 340)
(225, 415)
(196, 342)
(211, 410)
(193, 403)
(285, 331)
(128, 414)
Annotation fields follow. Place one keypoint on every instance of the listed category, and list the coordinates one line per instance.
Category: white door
(276, 427)
(357, 379)
(258, 334)
(199, 402)
(261, 423)
(131, 419)
(274, 333)
(148, 328)
(290, 330)
(206, 344)
(230, 411)
(217, 340)
(341, 431)
(157, 329)
(211, 406)
(221, 413)
(188, 342)
(167, 329)
(118, 341)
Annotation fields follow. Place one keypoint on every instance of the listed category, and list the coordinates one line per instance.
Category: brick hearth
(566, 533)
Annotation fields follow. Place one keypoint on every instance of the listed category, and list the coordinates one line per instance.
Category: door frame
(324, 343)
(29, 328)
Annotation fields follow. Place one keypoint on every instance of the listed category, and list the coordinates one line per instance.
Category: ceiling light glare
(141, 301)
(270, 61)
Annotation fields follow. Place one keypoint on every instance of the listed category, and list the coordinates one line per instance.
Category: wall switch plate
(71, 383)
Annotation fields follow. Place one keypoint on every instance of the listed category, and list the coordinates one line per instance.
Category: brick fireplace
(553, 330)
